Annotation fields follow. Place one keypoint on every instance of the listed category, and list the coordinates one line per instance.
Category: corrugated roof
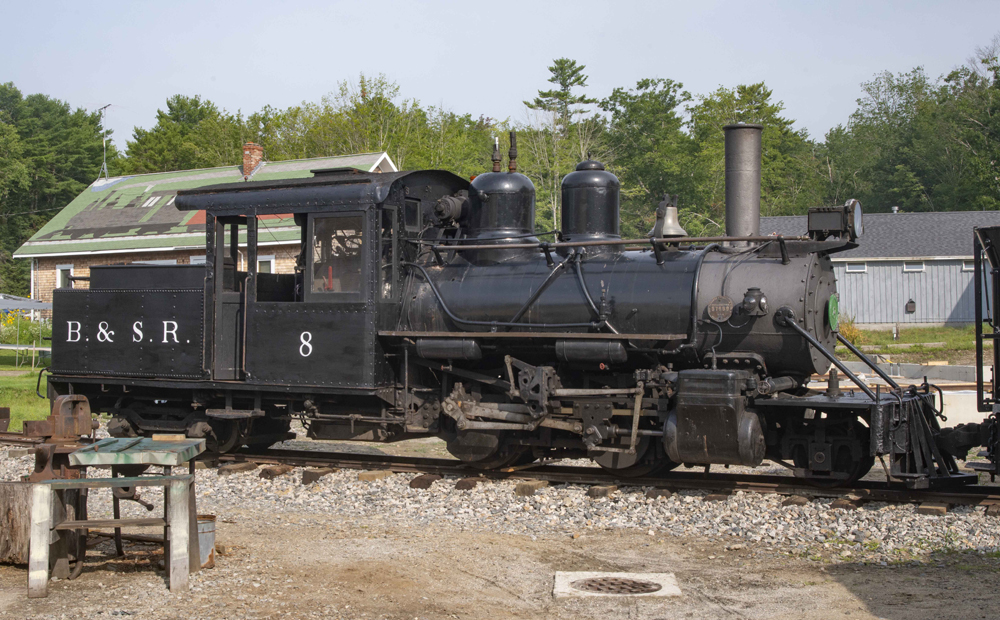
(136, 213)
(901, 235)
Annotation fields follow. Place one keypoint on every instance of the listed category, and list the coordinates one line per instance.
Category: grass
(18, 393)
(959, 344)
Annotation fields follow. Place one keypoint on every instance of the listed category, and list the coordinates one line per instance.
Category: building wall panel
(943, 293)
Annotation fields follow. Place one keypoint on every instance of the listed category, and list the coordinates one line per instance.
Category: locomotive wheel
(848, 470)
(263, 432)
(487, 449)
(647, 460)
(227, 436)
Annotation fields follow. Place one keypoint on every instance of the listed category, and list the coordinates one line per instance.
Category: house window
(857, 267)
(63, 275)
(968, 265)
(197, 260)
(913, 266)
(265, 264)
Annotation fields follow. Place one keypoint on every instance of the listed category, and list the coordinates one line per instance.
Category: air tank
(590, 203)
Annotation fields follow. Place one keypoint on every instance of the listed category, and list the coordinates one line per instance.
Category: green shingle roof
(136, 213)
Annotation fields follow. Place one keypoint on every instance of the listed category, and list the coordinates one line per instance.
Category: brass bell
(667, 224)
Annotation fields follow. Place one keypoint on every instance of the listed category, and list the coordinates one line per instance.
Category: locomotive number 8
(306, 348)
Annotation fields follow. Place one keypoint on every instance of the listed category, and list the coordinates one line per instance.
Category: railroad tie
(528, 487)
(932, 508)
(424, 481)
(310, 476)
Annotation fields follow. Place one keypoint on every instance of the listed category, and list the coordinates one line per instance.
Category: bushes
(851, 332)
(30, 331)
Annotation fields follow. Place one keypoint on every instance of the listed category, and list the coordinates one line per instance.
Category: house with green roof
(132, 219)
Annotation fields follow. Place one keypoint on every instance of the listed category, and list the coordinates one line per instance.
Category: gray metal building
(908, 268)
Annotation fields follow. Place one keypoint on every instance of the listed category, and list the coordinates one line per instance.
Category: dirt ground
(307, 567)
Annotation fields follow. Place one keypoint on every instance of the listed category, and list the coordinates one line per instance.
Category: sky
(470, 57)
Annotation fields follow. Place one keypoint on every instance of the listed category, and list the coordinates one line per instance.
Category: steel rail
(674, 480)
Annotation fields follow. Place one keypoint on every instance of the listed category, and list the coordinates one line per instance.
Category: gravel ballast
(876, 532)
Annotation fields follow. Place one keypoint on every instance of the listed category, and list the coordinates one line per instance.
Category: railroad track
(673, 480)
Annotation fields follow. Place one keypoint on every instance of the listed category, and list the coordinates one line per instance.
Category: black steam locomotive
(423, 304)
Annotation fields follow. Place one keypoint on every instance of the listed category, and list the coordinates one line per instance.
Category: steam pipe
(743, 150)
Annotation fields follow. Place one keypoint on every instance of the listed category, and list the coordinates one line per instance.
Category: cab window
(337, 258)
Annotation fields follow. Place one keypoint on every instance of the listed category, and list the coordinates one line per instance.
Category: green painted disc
(833, 312)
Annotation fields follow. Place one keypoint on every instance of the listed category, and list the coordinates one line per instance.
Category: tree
(177, 141)
(49, 153)
(556, 136)
(652, 154)
(790, 182)
(567, 74)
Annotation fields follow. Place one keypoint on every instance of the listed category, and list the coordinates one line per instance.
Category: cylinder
(590, 203)
(206, 540)
(591, 351)
(448, 349)
(743, 180)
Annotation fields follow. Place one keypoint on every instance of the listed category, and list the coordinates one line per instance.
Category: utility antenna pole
(104, 142)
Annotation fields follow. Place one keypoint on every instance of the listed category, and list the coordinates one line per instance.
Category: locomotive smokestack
(743, 180)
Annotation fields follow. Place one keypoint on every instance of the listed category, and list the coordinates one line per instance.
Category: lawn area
(959, 347)
(18, 393)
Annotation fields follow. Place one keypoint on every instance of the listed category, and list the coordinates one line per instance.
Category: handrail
(604, 242)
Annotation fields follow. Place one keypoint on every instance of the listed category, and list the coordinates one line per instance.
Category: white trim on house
(969, 265)
(385, 157)
(855, 264)
(198, 259)
(175, 248)
(858, 259)
(163, 261)
(267, 259)
(914, 266)
(33, 267)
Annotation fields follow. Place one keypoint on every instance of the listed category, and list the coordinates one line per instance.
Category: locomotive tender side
(423, 304)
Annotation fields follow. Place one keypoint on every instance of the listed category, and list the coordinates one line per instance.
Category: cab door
(326, 338)
(230, 299)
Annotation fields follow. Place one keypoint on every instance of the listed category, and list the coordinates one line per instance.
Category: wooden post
(178, 524)
(194, 550)
(15, 521)
(38, 550)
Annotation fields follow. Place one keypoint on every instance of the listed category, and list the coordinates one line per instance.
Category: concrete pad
(564, 584)
(17, 453)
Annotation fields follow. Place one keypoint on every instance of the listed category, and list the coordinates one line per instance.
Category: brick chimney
(252, 156)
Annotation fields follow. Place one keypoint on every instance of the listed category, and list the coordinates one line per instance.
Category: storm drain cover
(588, 583)
(616, 585)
